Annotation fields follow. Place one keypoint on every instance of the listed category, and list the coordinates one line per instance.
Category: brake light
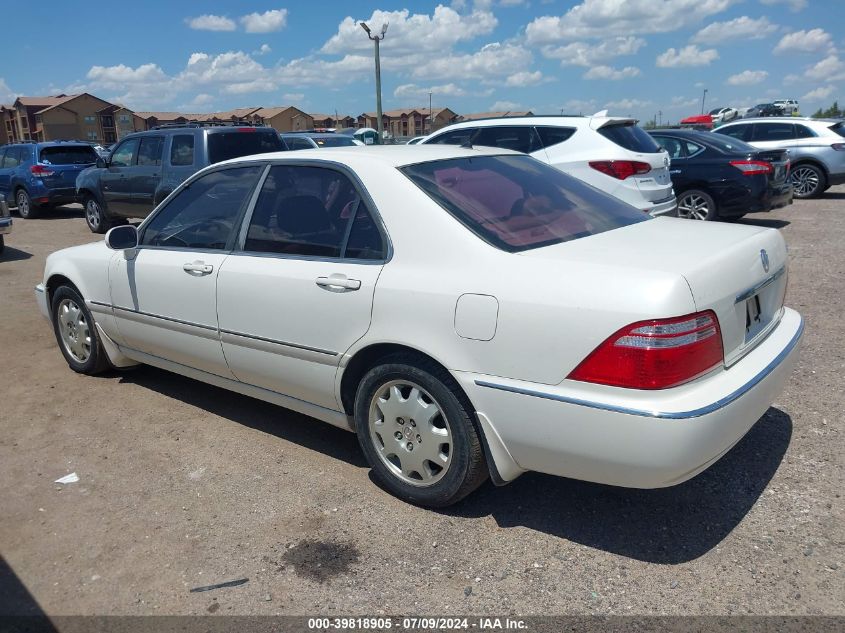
(655, 354)
(246, 129)
(839, 146)
(752, 167)
(620, 169)
(40, 170)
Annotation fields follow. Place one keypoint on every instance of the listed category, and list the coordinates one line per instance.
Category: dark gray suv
(143, 168)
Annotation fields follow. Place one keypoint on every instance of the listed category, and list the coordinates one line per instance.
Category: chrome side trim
(230, 334)
(177, 325)
(747, 294)
(664, 415)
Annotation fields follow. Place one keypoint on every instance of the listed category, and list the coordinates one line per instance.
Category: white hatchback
(468, 312)
(610, 153)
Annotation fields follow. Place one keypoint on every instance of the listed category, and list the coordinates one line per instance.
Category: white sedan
(468, 312)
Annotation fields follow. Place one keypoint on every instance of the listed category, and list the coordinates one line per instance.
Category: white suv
(610, 153)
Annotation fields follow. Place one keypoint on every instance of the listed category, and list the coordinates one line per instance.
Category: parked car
(415, 140)
(145, 167)
(5, 224)
(608, 346)
(698, 121)
(723, 115)
(716, 177)
(610, 153)
(816, 148)
(312, 140)
(37, 176)
(763, 110)
(787, 107)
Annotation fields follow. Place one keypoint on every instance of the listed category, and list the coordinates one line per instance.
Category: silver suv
(816, 148)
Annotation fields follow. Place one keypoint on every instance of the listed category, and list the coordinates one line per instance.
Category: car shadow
(11, 254)
(665, 525)
(256, 414)
(18, 606)
(768, 223)
(833, 195)
(58, 213)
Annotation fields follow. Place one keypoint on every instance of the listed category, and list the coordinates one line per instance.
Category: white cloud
(590, 53)
(290, 97)
(579, 105)
(606, 72)
(524, 78)
(110, 76)
(747, 78)
(413, 91)
(741, 28)
(831, 68)
(684, 102)
(812, 41)
(687, 56)
(6, 94)
(819, 94)
(210, 22)
(506, 106)
(493, 61)
(267, 22)
(262, 50)
(412, 34)
(627, 104)
(794, 5)
(601, 18)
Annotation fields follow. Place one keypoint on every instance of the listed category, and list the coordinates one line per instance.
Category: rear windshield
(517, 203)
(68, 155)
(242, 142)
(839, 128)
(631, 137)
(334, 141)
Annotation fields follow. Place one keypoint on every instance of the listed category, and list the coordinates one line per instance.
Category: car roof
(783, 119)
(389, 155)
(563, 120)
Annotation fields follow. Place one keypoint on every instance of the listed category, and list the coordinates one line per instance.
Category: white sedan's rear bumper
(624, 437)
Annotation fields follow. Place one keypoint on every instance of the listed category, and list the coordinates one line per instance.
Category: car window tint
(13, 157)
(455, 137)
(519, 138)
(124, 154)
(301, 211)
(727, 143)
(182, 150)
(773, 132)
(629, 136)
(517, 203)
(671, 145)
(741, 132)
(802, 131)
(2, 155)
(839, 128)
(692, 148)
(299, 143)
(203, 214)
(242, 141)
(335, 141)
(365, 240)
(554, 135)
(68, 155)
(149, 153)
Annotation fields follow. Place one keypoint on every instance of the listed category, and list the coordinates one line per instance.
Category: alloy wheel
(93, 214)
(74, 330)
(805, 181)
(693, 207)
(410, 433)
(23, 204)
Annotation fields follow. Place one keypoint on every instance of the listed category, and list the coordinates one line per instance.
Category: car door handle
(197, 267)
(338, 281)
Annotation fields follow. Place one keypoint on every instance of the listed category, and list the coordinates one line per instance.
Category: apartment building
(337, 121)
(409, 121)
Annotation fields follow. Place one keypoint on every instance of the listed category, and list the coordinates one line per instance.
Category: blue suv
(36, 176)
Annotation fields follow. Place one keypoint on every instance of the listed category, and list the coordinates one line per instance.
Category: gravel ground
(183, 485)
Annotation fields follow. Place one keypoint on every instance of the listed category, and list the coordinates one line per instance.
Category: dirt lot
(183, 485)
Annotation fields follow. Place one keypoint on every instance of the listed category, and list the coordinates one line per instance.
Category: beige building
(337, 121)
(6, 123)
(409, 121)
(284, 118)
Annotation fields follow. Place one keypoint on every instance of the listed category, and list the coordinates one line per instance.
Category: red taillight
(246, 129)
(752, 167)
(620, 169)
(655, 354)
(40, 170)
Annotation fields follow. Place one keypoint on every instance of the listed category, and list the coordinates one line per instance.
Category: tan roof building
(62, 117)
(409, 121)
(338, 121)
(284, 118)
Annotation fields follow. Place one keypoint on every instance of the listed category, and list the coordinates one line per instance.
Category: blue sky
(633, 57)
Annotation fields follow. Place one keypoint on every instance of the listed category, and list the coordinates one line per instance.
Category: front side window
(307, 211)
(517, 203)
(149, 153)
(182, 150)
(773, 132)
(125, 153)
(203, 214)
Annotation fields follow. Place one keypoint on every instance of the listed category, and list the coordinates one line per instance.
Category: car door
(299, 291)
(164, 292)
(146, 175)
(116, 179)
(678, 167)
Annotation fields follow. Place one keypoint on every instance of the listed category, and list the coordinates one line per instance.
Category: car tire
(95, 215)
(76, 332)
(2, 244)
(26, 209)
(449, 462)
(695, 204)
(808, 181)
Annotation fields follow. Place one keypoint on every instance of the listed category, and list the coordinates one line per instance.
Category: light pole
(660, 116)
(703, 97)
(430, 118)
(377, 39)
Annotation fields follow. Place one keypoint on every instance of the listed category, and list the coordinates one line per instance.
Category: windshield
(68, 155)
(517, 203)
(716, 111)
(242, 142)
(334, 141)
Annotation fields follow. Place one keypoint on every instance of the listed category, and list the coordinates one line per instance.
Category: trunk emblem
(764, 257)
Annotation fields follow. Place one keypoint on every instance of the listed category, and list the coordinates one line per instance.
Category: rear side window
(839, 128)
(68, 155)
(671, 145)
(335, 141)
(455, 137)
(182, 150)
(773, 132)
(629, 136)
(739, 132)
(554, 135)
(242, 142)
(517, 203)
(802, 131)
(150, 152)
(13, 157)
(519, 138)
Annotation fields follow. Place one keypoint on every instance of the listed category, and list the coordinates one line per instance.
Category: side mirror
(121, 238)
(101, 162)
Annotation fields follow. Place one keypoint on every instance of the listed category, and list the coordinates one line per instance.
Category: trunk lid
(723, 264)
(779, 158)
